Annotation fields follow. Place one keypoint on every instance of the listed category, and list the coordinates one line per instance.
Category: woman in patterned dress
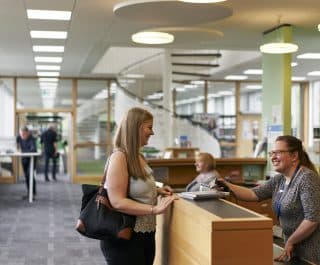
(295, 194)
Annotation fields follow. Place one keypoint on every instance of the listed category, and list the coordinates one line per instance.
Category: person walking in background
(49, 142)
(295, 194)
(206, 167)
(26, 143)
(128, 173)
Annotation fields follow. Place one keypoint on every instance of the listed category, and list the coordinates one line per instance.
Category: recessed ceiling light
(48, 85)
(254, 87)
(203, 1)
(314, 73)
(38, 34)
(309, 56)
(44, 79)
(298, 78)
(44, 48)
(236, 77)
(213, 95)
(180, 89)
(152, 37)
(48, 73)
(293, 64)
(253, 72)
(134, 76)
(48, 67)
(225, 93)
(48, 14)
(40, 59)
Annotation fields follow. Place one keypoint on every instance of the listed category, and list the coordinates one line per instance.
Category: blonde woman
(129, 174)
(206, 167)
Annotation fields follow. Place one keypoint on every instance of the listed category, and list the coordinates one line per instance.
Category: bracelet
(151, 210)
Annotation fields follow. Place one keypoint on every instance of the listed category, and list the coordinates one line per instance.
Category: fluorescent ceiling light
(253, 72)
(48, 14)
(48, 73)
(279, 47)
(48, 67)
(152, 37)
(180, 89)
(36, 34)
(236, 77)
(134, 76)
(298, 78)
(40, 59)
(213, 95)
(293, 64)
(43, 48)
(202, 1)
(44, 79)
(68, 102)
(225, 93)
(309, 56)
(254, 87)
(48, 84)
(197, 82)
(314, 73)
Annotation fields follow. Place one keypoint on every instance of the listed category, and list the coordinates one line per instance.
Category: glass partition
(92, 126)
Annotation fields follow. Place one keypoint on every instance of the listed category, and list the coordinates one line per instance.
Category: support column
(276, 92)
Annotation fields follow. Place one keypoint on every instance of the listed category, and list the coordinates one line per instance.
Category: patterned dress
(294, 202)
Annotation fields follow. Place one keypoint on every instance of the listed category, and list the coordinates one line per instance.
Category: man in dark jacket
(26, 143)
(49, 142)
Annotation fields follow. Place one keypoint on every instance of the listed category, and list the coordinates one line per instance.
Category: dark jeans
(26, 170)
(140, 250)
(46, 165)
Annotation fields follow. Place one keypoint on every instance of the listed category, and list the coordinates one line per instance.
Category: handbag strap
(106, 170)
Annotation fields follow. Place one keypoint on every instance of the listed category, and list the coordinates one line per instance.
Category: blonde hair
(127, 139)
(208, 160)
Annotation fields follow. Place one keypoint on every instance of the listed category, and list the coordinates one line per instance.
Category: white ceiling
(98, 40)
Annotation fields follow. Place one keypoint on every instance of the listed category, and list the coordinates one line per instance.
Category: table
(31, 172)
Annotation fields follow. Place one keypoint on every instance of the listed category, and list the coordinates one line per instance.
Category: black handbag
(98, 220)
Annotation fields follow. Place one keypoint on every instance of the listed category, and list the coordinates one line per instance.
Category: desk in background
(32, 156)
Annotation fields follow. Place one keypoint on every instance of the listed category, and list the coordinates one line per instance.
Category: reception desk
(213, 232)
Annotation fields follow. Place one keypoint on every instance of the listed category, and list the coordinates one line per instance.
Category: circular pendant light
(152, 37)
(279, 47)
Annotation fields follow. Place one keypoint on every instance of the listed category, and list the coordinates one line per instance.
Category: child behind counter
(206, 167)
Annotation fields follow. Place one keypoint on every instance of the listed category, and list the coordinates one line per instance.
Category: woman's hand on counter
(165, 191)
(163, 203)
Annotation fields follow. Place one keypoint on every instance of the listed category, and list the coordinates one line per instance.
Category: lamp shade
(279, 47)
(152, 37)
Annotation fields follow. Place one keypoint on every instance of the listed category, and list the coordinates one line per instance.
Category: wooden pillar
(237, 125)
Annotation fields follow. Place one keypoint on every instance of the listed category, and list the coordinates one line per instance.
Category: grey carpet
(42, 233)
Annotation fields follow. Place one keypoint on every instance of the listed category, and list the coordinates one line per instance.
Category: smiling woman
(295, 194)
(132, 190)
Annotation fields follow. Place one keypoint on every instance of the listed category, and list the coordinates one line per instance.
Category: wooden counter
(181, 171)
(213, 232)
